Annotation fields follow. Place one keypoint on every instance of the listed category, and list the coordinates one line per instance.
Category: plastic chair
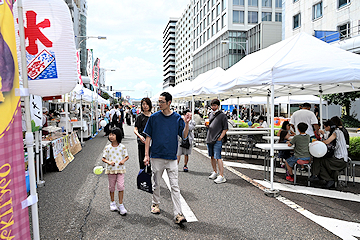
(308, 165)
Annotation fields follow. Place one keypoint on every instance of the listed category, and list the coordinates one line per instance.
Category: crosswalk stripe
(188, 213)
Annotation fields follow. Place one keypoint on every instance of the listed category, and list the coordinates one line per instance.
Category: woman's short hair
(147, 101)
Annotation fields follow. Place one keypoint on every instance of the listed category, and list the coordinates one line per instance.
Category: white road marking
(313, 191)
(251, 166)
(189, 215)
(342, 229)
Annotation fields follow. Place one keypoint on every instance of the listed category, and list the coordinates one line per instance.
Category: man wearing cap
(306, 116)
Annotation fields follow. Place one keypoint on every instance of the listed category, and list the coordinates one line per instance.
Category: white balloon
(317, 149)
(103, 123)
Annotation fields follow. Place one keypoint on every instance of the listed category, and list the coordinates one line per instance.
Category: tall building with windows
(220, 29)
(169, 53)
(332, 21)
(183, 46)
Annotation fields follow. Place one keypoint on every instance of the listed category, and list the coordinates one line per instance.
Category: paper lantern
(103, 123)
(317, 149)
(50, 47)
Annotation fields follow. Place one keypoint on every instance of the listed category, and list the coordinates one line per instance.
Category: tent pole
(268, 109)
(320, 110)
(192, 107)
(238, 108)
(81, 120)
(272, 140)
(327, 110)
(29, 137)
(289, 106)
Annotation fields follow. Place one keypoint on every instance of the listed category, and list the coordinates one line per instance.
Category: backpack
(115, 118)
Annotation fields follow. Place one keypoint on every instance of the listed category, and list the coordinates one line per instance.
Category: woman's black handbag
(185, 143)
(330, 149)
(144, 181)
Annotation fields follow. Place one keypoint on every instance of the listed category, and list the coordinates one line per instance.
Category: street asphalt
(74, 204)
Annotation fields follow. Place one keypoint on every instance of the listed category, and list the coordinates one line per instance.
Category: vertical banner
(89, 64)
(36, 113)
(96, 72)
(14, 221)
(78, 66)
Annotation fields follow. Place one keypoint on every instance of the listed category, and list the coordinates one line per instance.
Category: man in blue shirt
(163, 128)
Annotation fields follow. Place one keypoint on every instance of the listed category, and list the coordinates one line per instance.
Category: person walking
(121, 119)
(114, 116)
(115, 155)
(186, 149)
(140, 124)
(218, 126)
(162, 129)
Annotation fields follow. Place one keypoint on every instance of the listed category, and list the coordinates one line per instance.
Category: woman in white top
(327, 168)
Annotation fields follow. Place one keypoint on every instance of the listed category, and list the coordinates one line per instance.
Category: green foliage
(33, 127)
(354, 147)
(105, 95)
(350, 122)
(343, 99)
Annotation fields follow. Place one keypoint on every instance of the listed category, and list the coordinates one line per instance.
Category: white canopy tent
(301, 64)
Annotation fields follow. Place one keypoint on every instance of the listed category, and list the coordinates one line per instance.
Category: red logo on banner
(39, 64)
(33, 33)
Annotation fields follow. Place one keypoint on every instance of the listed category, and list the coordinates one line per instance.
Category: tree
(343, 99)
(105, 95)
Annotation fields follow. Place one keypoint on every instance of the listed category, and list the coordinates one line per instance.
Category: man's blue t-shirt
(164, 132)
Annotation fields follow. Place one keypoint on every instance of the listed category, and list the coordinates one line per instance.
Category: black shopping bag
(144, 181)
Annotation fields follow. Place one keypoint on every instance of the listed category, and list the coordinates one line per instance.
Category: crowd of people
(171, 135)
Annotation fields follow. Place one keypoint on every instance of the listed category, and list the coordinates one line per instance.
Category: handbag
(144, 181)
(330, 149)
(185, 143)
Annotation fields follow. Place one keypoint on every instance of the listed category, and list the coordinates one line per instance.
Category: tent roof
(301, 64)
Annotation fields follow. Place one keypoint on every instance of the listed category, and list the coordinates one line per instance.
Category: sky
(134, 31)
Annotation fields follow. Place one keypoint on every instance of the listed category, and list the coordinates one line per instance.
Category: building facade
(169, 53)
(220, 30)
(329, 20)
(184, 46)
(78, 11)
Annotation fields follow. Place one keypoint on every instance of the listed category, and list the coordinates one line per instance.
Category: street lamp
(87, 37)
(238, 43)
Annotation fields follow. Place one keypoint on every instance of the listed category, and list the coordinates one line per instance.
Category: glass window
(224, 2)
(278, 17)
(266, 16)
(208, 5)
(317, 10)
(197, 7)
(200, 14)
(213, 15)
(295, 1)
(213, 30)
(200, 40)
(204, 23)
(213, 3)
(253, 3)
(201, 27)
(238, 2)
(266, 3)
(342, 3)
(223, 20)
(218, 10)
(217, 26)
(208, 20)
(344, 30)
(296, 21)
(238, 16)
(253, 17)
(278, 3)
(208, 34)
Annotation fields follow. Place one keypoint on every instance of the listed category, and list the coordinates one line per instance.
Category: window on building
(342, 3)
(253, 3)
(213, 3)
(238, 16)
(213, 15)
(217, 25)
(278, 3)
(317, 10)
(197, 7)
(218, 9)
(197, 31)
(194, 23)
(197, 19)
(208, 5)
(208, 20)
(252, 17)
(266, 16)
(201, 27)
(278, 17)
(200, 3)
(213, 30)
(200, 14)
(296, 21)
(238, 2)
(204, 23)
(208, 34)
(223, 20)
(295, 1)
(223, 3)
(266, 3)
(200, 40)
(344, 31)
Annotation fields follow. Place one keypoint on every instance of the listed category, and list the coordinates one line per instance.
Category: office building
(336, 22)
(169, 53)
(184, 46)
(220, 30)
(78, 11)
